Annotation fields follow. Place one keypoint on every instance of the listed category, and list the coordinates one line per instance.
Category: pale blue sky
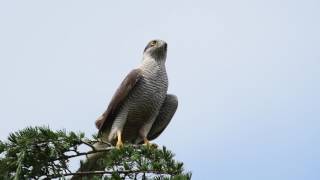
(247, 75)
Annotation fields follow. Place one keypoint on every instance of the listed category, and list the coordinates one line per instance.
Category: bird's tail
(90, 164)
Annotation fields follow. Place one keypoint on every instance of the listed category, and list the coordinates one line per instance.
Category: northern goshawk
(140, 109)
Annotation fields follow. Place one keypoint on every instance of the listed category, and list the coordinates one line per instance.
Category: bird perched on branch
(140, 109)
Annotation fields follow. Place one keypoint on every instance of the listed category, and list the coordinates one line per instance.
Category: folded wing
(127, 85)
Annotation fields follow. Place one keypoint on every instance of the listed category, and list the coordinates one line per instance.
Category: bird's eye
(153, 43)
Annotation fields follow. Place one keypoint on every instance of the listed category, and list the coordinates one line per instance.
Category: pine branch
(39, 152)
(107, 172)
(84, 153)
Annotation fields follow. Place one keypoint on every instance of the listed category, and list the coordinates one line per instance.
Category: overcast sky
(247, 75)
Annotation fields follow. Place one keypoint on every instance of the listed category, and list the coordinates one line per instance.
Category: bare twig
(88, 144)
(85, 153)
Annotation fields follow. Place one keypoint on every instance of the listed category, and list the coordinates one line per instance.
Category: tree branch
(83, 173)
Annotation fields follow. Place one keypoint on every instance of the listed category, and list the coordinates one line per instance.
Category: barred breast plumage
(146, 99)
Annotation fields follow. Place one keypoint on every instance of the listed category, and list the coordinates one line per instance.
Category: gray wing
(166, 113)
(107, 118)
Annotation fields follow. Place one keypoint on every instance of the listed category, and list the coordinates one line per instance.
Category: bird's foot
(148, 144)
(119, 144)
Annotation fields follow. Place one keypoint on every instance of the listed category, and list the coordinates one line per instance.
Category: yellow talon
(146, 142)
(149, 144)
(119, 145)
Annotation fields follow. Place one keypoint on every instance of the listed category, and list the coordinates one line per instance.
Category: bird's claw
(148, 144)
(119, 145)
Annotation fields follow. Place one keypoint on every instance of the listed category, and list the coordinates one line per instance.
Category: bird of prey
(141, 108)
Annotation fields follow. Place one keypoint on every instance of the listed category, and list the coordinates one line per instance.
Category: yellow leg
(119, 142)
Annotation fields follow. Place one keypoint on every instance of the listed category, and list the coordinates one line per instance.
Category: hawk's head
(156, 49)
